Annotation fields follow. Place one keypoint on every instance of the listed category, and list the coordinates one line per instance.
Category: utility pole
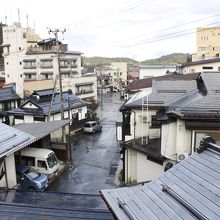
(55, 32)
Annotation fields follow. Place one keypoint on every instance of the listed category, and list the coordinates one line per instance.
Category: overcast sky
(139, 29)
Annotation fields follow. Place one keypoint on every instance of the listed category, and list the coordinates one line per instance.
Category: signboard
(119, 131)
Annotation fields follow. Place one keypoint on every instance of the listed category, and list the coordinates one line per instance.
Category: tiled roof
(43, 105)
(189, 190)
(146, 83)
(208, 105)
(7, 94)
(163, 92)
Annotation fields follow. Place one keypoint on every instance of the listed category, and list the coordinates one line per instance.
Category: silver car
(92, 127)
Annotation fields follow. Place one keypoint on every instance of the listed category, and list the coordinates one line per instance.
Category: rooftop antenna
(19, 20)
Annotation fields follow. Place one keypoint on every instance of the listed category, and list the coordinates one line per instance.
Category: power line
(166, 36)
(111, 12)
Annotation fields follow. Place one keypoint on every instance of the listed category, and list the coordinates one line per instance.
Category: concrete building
(28, 59)
(153, 70)
(207, 43)
(114, 75)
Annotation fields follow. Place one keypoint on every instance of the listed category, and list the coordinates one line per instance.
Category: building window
(19, 48)
(24, 35)
(19, 117)
(154, 122)
(20, 63)
(29, 64)
(21, 75)
(46, 64)
(207, 67)
(38, 118)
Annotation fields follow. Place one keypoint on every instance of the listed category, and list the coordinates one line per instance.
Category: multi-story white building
(153, 70)
(29, 59)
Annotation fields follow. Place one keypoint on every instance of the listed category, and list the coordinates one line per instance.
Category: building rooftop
(41, 106)
(147, 83)
(7, 94)
(188, 190)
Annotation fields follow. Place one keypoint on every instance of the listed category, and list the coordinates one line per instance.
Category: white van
(42, 160)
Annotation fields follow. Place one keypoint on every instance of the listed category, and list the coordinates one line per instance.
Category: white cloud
(131, 28)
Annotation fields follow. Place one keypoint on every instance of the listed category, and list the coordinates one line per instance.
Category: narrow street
(95, 156)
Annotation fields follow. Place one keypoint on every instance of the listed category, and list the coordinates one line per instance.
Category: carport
(11, 140)
(47, 134)
(15, 138)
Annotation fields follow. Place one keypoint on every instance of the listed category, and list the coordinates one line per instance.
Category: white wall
(139, 129)
(10, 170)
(139, 168)
(175, 139)
(200, 68)
(146, 169)
(155, 70)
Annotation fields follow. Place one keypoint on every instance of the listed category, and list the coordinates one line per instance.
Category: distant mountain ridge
(167, 59)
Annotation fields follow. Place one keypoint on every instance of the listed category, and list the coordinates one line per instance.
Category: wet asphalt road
(95, 156)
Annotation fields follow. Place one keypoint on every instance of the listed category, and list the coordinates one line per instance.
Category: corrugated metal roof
(41, 129)
(194, 182)
(51, 205)
(12, 139)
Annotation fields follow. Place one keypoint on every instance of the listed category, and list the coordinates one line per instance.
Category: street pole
(55, 32)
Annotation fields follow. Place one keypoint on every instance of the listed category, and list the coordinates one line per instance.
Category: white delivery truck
(42, 160)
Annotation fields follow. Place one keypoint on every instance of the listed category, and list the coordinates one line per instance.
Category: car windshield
(52, 160)
(32, 173)
(87, 125)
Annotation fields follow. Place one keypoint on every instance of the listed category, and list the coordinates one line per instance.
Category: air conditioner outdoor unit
(181, 156)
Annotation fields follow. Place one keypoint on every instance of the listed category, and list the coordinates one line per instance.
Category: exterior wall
(139, 169)
(175, 139)
(210, 67)
(30, 86)
(18, 38)
(148, 71)
(146, 169)
(130, 165)
(70, 83)
(28, 119)
(139, 129)
(10, 170)
(207, 43)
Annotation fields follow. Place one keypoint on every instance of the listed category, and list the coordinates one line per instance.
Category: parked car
(30, 179)
(42, 160)
(92, 127)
